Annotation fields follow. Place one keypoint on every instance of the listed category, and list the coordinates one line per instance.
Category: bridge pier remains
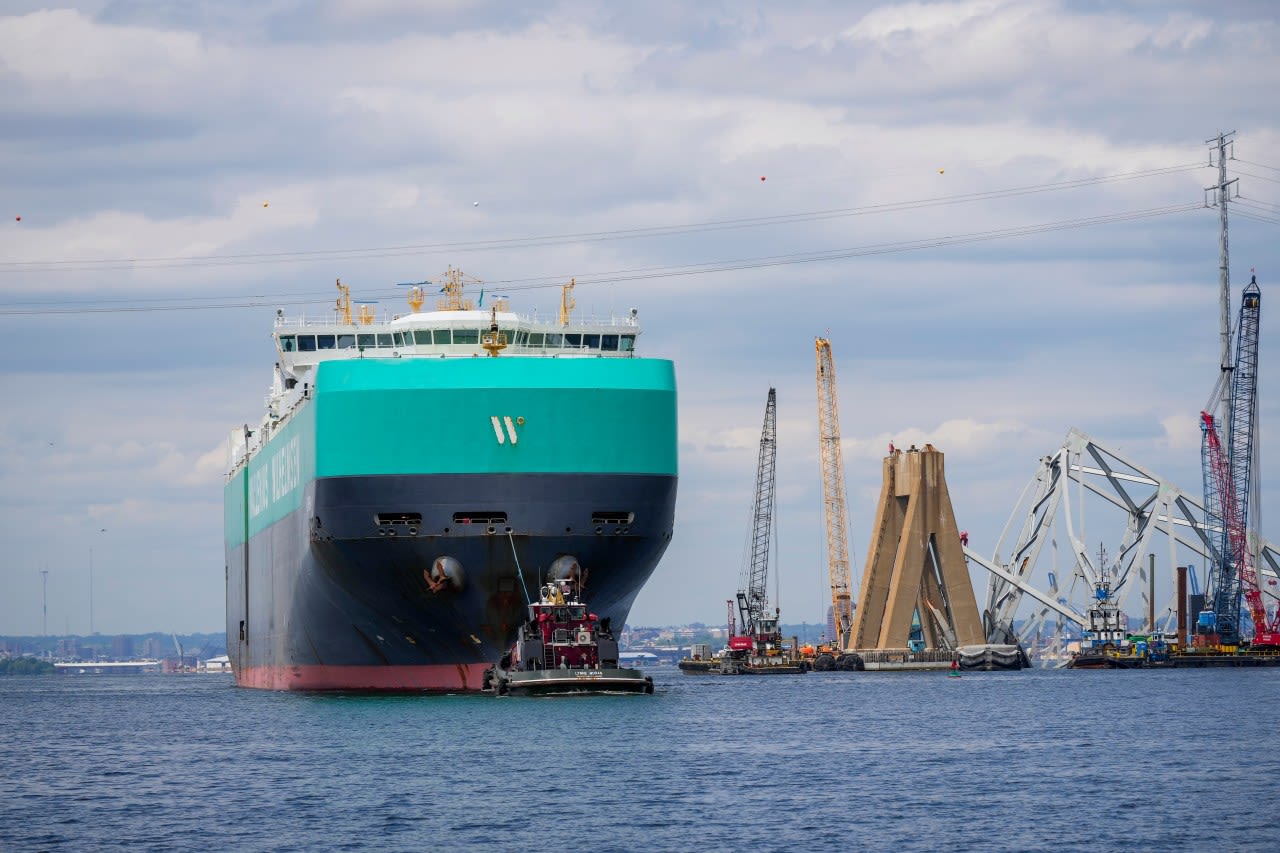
(916, 572)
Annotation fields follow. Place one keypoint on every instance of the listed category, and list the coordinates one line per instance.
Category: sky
(996, 212)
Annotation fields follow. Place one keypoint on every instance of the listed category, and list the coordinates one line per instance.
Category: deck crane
(833, 498)
(760, 627)
(1228, 478)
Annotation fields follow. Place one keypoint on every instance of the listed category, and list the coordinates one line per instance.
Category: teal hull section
(461, 416)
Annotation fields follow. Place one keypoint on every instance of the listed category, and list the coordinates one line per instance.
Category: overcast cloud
(148, 147)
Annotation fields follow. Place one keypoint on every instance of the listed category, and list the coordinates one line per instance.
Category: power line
(1261, 206)
(1261, 165)
(1258, 218)
(674, 271)
(1259, 177)
(84, 265)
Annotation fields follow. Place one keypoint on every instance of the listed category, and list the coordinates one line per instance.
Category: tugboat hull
(562, 682)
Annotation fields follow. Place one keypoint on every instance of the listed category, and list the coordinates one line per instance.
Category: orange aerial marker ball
(19, 218)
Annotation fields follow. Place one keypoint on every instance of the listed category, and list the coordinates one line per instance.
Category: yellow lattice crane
(833, 499)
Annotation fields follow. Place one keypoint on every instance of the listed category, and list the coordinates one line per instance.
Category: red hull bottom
(449, 678)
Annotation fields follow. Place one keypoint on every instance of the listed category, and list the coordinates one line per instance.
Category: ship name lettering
(277, 478)
(258, 499)
(285, 469)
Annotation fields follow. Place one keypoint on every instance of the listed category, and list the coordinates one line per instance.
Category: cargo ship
(415, 476)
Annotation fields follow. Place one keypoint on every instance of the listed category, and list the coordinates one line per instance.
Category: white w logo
(506, 420)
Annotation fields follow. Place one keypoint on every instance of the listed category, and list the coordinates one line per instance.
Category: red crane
(1266, 631)
(1228, 486)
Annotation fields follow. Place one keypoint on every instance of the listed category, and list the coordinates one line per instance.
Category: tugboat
(562, 649)
(1104, 641)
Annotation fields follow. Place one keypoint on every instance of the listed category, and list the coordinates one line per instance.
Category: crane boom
(1229, 486)
(753, 588)
(833, 497)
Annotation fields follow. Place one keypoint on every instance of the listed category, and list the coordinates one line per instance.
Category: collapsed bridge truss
(1051, 514)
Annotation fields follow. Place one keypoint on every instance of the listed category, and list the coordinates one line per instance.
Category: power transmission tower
(1221, 195)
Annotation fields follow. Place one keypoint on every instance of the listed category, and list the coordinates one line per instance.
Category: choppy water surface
(1043, 760)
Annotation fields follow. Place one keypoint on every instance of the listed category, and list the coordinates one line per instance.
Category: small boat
(563, 649)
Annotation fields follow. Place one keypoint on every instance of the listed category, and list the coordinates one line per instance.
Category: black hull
(334, 596)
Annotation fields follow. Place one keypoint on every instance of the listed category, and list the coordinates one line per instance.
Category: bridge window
(288, 343)
(466, 336)
(422, 337)
(609, 343)
(554, 340)
(326, 341)
(627, 343)
(591, 341)
(306, 343)
(441, 336)
(366, 341)
(346, 341)
(535, 339)
(384, 340)
(572, 340)
(522, 338)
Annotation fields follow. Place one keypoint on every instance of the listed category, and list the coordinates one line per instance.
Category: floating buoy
(264, 204)
(940, 171)
(475, 204)
(762, 177)
(18, 218)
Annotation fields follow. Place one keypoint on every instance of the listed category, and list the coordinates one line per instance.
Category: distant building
(220, 663)
(121, 647)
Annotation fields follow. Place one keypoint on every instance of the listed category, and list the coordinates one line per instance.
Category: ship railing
(522, 321)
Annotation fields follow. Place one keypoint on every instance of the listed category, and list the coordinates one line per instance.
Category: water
(1041, 760)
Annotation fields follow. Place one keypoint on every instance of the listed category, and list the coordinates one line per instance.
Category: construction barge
(974, 658)
(760, 648)
(1137, 651)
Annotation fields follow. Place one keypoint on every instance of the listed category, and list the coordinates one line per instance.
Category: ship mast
(567, 303)
(344, 302)
(452, 285)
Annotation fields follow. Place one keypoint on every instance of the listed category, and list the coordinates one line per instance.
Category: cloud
(620, 144)
(963, 436)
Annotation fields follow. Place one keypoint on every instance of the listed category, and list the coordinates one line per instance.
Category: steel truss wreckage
(1150, 505)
